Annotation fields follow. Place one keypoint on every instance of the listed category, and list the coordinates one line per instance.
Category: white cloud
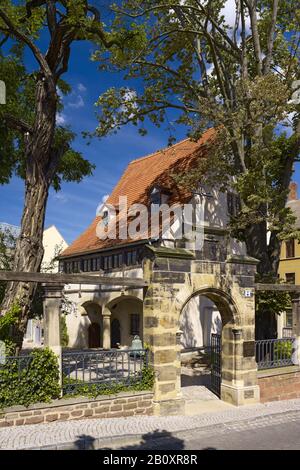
(210, 69)
(60, 197)
(229, 12)
(81, 88)
(79, 103)
(60, 119)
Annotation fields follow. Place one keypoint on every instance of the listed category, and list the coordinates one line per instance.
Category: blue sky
(72, 209)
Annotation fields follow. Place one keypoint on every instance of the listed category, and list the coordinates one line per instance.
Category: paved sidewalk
(122, 432)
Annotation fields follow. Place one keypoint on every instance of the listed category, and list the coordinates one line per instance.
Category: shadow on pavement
(85, 442)
(156, 440)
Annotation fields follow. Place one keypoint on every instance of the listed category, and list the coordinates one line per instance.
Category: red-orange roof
(137, 179)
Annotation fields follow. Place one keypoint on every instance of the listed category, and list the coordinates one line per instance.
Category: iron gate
(216, 363)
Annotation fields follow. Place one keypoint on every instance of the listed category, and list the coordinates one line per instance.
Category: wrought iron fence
(216, 363)
(18, 364)
(271, 353)
(287, 332)
(102, 368)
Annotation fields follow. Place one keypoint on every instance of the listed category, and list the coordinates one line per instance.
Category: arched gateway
(230, 285)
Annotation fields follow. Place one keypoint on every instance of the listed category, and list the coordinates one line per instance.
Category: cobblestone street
(135, 432)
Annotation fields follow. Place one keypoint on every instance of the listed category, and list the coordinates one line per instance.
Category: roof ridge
(139, 159)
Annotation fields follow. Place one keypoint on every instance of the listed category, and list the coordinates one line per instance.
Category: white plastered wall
(199, 319)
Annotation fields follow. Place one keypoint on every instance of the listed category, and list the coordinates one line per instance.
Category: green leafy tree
(268, 305)
(239, 78)
(32, 144)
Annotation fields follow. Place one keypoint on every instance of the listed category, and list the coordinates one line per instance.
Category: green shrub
(8, 320)
(7, 323)
(284, 350)
(64, 337)
(24, 382)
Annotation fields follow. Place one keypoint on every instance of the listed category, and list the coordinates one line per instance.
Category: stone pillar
(239, 370)
(160, 331)
(296, 328)
(52, 306)
(106, 314)
(238, 355)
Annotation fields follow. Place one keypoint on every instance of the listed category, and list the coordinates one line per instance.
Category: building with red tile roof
(136, 182)
(149, 180)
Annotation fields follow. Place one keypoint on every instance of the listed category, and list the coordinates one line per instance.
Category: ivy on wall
(30, 379)
(64, 337)
(143, 383)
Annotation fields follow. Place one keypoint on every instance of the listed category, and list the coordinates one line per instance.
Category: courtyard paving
(198, 397)
(128, 432)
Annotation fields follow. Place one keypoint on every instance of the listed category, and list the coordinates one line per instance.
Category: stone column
(106, 314)
(296, 328)
(161, 332)
(238, 356)
(239, 369)
(52, 306)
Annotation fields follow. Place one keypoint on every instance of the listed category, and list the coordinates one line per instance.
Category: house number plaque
(249, 348)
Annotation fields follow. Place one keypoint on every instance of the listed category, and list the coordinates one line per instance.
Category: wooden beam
(50, 278)
(277, 287)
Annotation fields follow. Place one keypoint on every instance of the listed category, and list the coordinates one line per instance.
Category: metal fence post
(296, 328)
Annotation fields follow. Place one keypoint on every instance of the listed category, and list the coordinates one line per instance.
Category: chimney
(293, 196)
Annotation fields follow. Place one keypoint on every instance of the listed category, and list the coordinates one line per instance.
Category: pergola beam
(50, 278)
(95, 279)
(277, 287)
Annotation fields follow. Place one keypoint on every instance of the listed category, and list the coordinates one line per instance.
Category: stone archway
(229, 319)
(125, 319)
(167, 294)
(87, 327)
(200, 369)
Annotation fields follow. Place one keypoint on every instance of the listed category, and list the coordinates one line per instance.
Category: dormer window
(158, 196)
(155, 195)
(105, 217)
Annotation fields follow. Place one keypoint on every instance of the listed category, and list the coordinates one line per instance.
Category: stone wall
(279, 384)
(112, 406)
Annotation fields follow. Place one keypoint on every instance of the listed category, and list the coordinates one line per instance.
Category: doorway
(201, 326)
(115, 333)
(94, 335)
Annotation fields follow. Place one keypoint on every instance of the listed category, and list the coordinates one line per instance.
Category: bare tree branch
(17, 124)
(255, 34)
(25, 40)
(271, 38)
(3, 41)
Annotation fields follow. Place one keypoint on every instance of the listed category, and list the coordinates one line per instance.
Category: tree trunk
(40, 169)
(257, 247)
(28, 256)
